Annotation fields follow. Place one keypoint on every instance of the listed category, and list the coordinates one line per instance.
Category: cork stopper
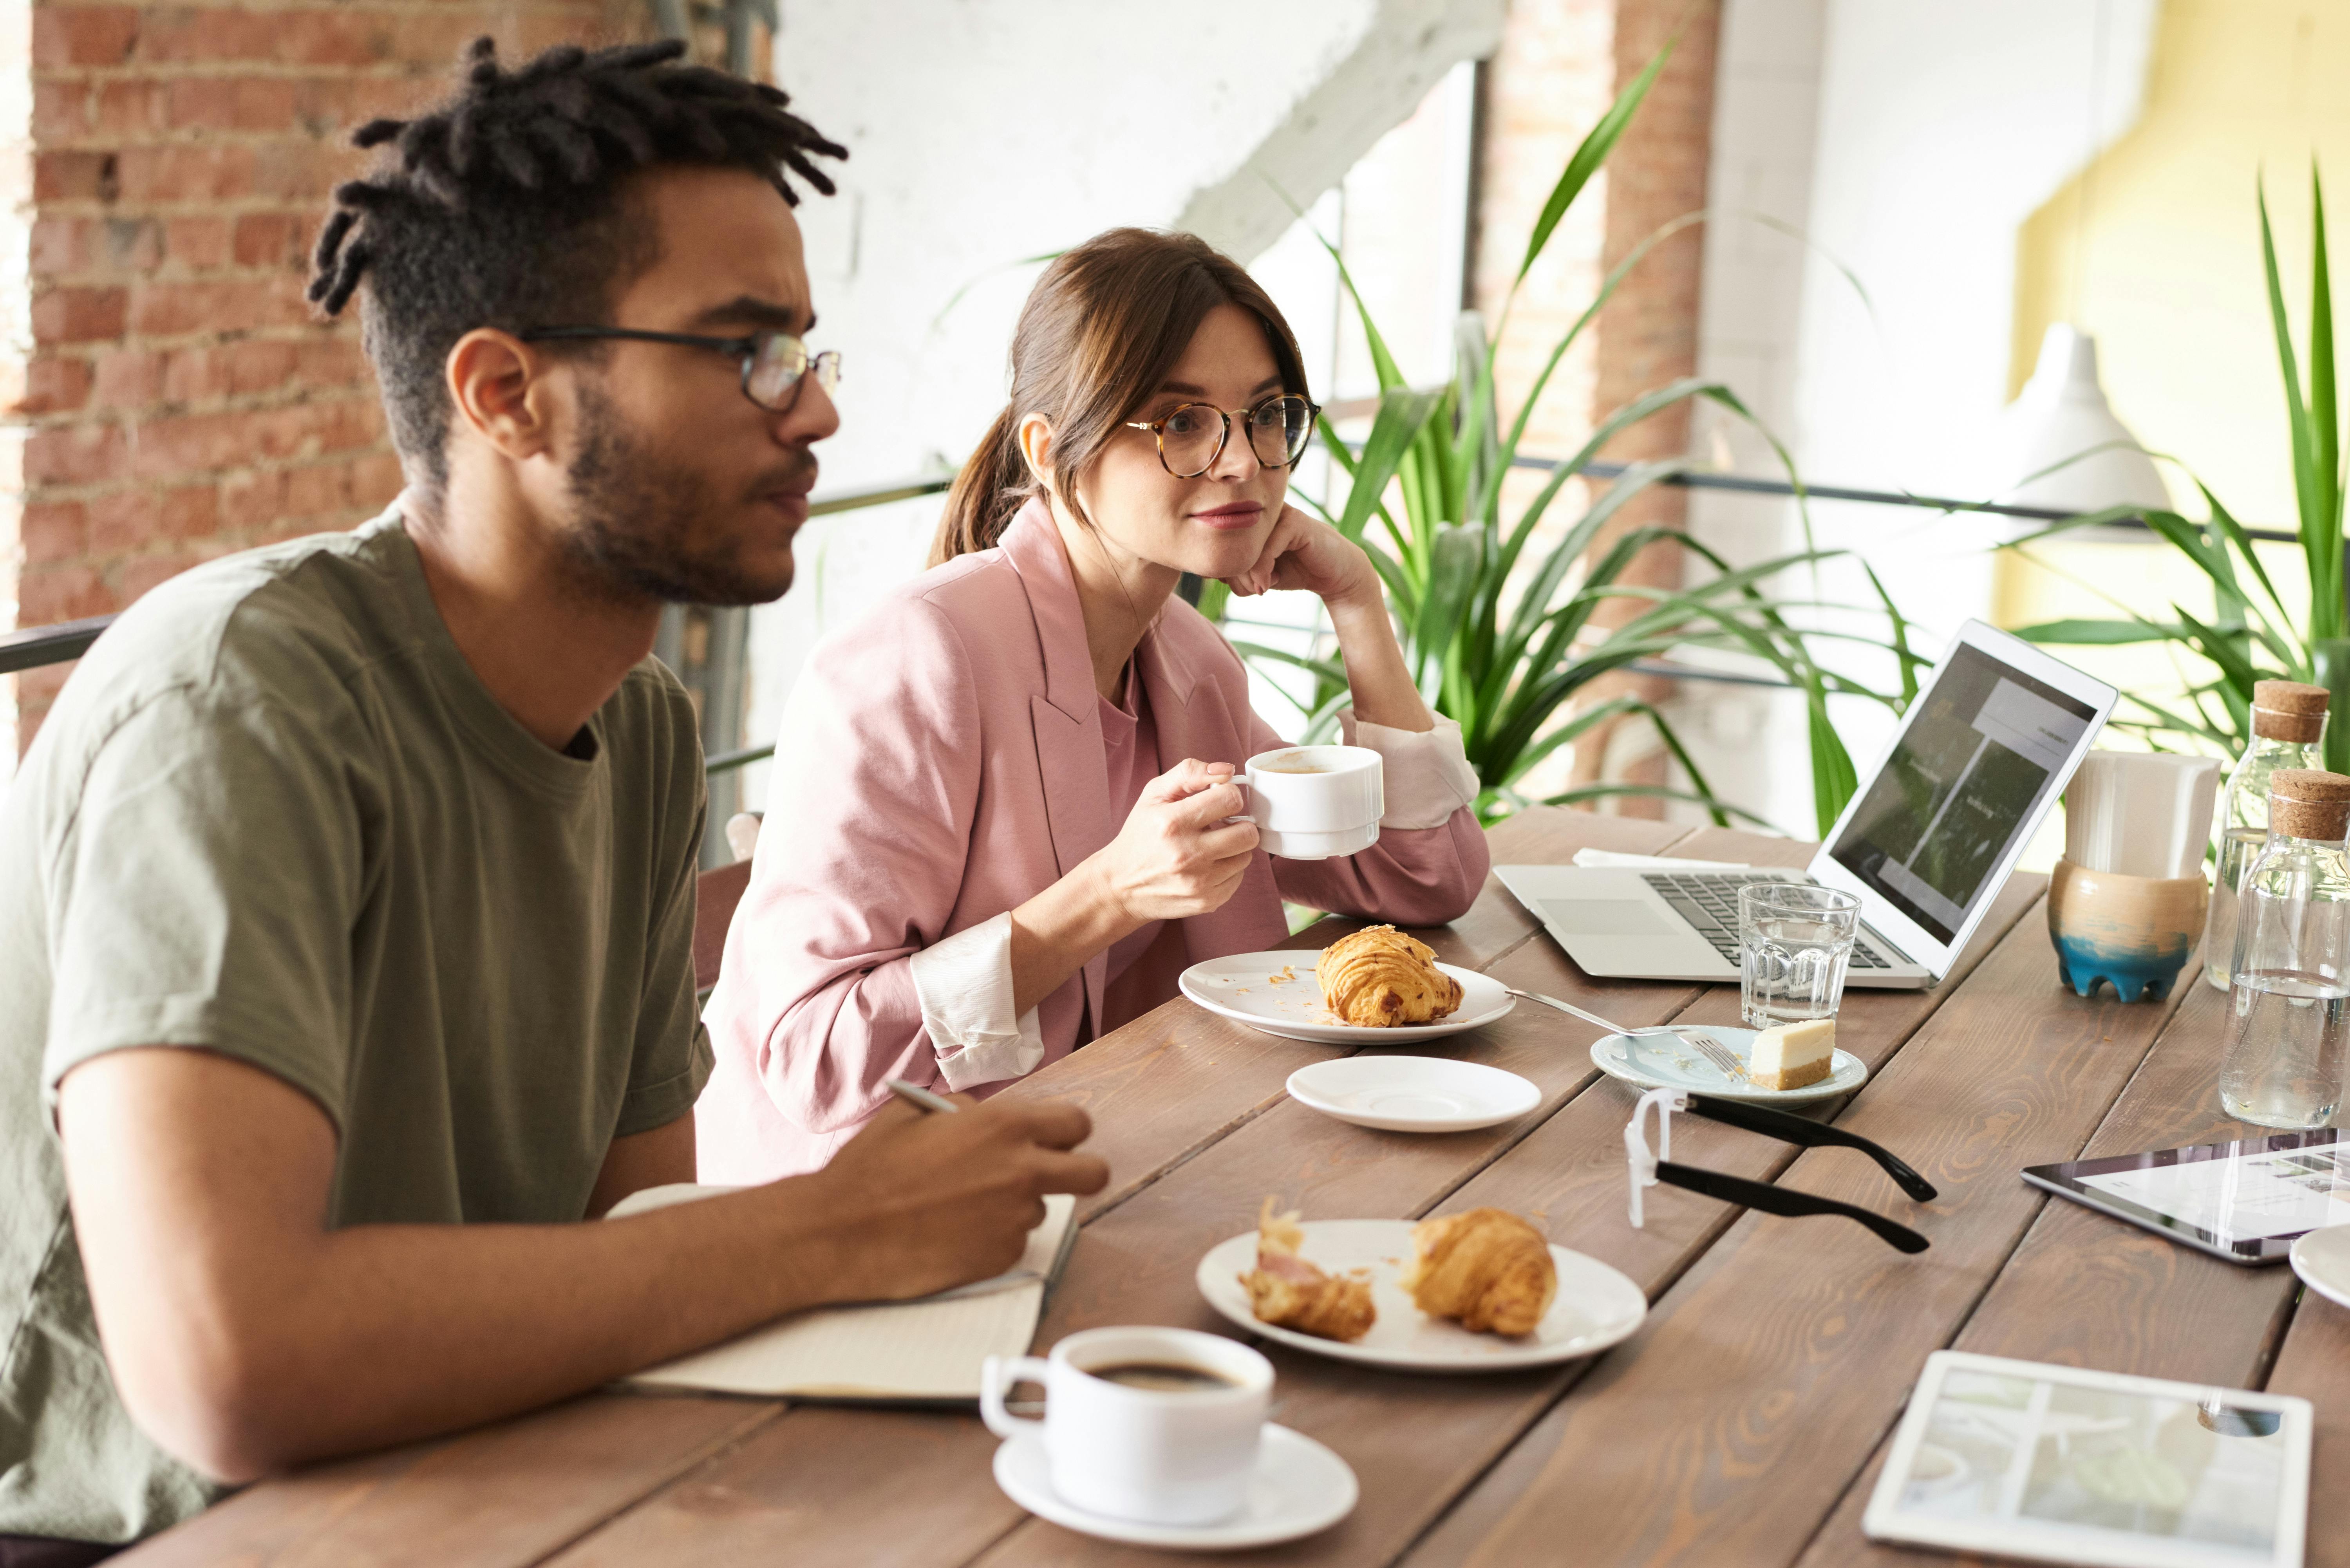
(2288, 711)
(2309, 802)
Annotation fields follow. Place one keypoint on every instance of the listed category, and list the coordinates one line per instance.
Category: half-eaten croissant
(1487, 1268)
(1288, 1291)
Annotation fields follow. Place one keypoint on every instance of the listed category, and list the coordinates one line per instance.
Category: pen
(915, 1094)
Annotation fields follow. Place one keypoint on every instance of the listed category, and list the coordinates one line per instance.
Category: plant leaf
(1402, 414)
(1597, 144)
(2080, 633)
(1459, 550)
(2305, 486)
(1580, 793)
(1834, 779)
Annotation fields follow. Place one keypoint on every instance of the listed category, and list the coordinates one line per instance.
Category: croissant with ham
(1488, 1268)
(1288, 1291)
(1379, 977)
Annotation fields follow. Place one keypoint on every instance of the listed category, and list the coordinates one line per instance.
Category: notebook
(927, 1350)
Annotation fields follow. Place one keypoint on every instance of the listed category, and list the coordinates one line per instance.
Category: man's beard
(643, 527)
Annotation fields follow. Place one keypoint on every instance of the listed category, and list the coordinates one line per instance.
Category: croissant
(1288, 1291)
(1488, 1268)
(1380, 978)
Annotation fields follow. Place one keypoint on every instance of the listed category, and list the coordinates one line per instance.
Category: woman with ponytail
(1000, 825)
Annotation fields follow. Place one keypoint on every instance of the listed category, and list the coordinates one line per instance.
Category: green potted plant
(1500, 629)
(2250, 633)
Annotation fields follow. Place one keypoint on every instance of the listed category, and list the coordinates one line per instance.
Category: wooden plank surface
(1415, 1442)
(513, 1493)
(506, 1495)
(2085, 1290)
(1740, 1426)
(2314, 1363)
(822, 1486)
(1178, 1078)
(1572, 1172)
(1149, 1086)
(1731, 1425)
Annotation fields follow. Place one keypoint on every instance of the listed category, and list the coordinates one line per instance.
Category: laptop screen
(1969, 771)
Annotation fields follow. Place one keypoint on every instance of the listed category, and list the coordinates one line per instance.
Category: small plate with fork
(1662, 1060)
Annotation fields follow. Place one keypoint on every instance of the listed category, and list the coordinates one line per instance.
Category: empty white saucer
(2322, 1259)
(1299, 1487)
(1413, 1094)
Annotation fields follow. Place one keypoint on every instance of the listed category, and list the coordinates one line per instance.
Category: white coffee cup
(1141, 1453)
(1314, 803)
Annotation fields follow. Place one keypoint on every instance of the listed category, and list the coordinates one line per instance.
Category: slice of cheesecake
(1791, 1055)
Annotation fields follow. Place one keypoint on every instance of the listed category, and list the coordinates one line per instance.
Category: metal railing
(60, 644)
(68, 641)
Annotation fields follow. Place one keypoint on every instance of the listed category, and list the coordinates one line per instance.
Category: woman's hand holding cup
(1181, 853)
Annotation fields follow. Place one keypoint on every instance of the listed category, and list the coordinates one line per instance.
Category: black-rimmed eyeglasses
(1650, 1169)
(1191, 436)
(772, 362)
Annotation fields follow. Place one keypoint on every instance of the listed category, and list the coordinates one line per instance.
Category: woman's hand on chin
(1305, 553)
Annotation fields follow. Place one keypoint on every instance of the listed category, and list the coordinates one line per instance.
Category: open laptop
(1926, 843)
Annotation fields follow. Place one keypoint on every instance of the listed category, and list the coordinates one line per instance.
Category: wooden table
(1742, 1425)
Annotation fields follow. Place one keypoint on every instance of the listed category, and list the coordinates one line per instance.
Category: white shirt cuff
(1427, 774)
(964, 984)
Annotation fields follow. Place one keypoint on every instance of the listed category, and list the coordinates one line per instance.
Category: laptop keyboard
(1708, 900)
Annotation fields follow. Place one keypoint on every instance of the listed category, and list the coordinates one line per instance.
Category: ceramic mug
(1147, 1454)
(2132, 932)
(1316, 803)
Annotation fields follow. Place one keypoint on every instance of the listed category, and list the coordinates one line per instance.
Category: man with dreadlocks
(347, 932)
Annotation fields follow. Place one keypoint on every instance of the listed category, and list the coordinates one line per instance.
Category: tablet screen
(2089, 1467)
(2245, 1200)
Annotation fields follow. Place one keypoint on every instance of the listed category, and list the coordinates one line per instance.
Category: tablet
(2245, 1202)
(2058, 1464)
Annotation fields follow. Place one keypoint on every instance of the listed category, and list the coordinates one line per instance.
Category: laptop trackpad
(1609, 917)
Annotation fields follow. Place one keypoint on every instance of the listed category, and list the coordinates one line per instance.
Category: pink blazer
(941, 761)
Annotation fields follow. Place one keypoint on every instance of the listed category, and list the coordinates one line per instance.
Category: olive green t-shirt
(276, 815)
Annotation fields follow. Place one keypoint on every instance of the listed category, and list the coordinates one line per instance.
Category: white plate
(1243, 989)
(1662, 1062)
(1596, 1307)
(1412, 1094)
(1299, 1487)
(2322, 1259)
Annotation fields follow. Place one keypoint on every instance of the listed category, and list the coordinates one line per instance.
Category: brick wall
(1561, 64)
(165, 395)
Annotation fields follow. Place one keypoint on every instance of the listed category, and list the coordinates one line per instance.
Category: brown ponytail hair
(1101, 330)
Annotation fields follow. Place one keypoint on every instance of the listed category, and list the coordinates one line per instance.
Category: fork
(1717, 1055)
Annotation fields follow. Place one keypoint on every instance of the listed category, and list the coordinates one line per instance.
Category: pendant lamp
(2063, 413)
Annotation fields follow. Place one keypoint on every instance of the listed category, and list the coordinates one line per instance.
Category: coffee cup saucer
(1300, 1487)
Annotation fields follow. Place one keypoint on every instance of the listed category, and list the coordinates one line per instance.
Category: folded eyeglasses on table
(1648, 1169)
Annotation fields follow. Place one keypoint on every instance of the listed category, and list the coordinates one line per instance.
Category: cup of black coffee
(1162, 1376)
(1157, 1424)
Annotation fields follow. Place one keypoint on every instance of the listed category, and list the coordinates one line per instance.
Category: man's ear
(1036, 449)
(501, 392)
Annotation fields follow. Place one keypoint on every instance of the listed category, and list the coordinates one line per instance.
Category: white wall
(986, 131)
(1907, 140)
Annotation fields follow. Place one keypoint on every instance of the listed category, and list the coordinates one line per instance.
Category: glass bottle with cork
(2288, 719)
(2288, 1029)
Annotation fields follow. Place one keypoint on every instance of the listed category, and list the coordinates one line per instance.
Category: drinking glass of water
(1794, 943)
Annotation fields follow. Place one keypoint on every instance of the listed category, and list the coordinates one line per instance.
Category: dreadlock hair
(506, 206)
